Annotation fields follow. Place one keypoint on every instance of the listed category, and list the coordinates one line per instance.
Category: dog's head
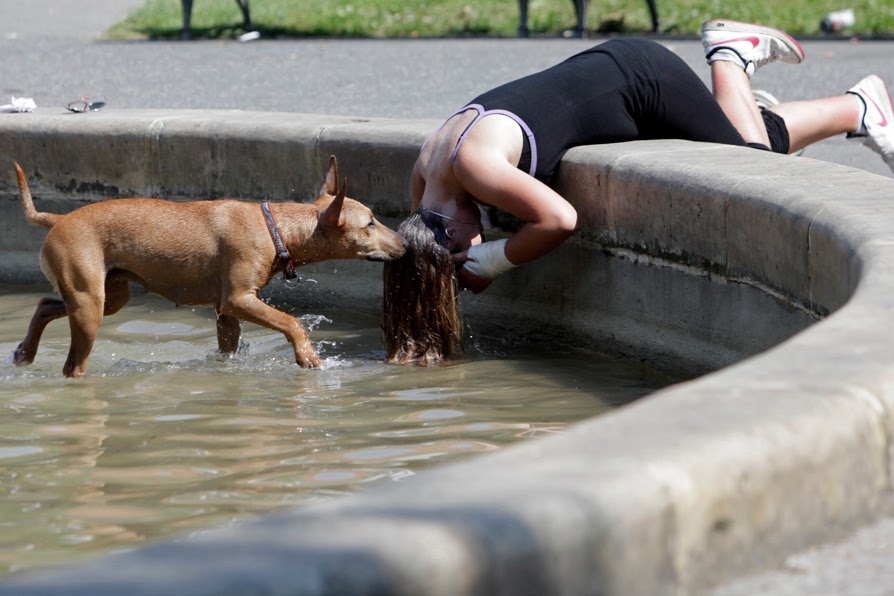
(349, 227)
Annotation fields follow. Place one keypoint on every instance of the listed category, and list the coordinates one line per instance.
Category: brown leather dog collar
(282, 253)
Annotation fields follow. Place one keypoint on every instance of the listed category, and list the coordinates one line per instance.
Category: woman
(502, 149)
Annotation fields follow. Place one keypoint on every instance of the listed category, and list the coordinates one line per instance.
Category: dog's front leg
(249, 307)
(228, 333)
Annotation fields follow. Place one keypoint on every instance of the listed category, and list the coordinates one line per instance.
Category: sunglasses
(462, 221)
(86, 104)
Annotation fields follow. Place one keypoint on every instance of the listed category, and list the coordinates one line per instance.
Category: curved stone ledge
(695, 257)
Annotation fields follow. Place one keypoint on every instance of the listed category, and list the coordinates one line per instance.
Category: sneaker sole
(740, 27)
(764, 99)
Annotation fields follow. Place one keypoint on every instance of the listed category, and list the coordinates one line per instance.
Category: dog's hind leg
(228, 332)
(117, 292)
(85, 310)
(48, 310)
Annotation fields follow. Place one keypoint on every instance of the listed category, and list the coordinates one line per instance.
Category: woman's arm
(549, 219)
(417, 187)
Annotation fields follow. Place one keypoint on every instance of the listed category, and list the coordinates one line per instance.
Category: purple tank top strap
(481, 114)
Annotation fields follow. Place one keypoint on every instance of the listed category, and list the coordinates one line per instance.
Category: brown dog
(202, 253)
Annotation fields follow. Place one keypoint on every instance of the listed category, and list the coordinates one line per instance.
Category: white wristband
(488, 259)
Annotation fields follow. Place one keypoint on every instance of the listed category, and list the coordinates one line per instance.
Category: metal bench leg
(580, 10)
(523, 18)
(246, 19)
(653, 10)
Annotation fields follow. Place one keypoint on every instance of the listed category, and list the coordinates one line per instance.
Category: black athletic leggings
(620, 90)
(676, 104)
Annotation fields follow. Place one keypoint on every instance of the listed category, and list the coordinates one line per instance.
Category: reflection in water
(163, 436)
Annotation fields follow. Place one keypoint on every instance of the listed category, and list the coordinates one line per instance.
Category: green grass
(161, 19)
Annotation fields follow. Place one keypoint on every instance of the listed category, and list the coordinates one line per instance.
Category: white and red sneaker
(877, 129)
(750, 45)
(764, 99)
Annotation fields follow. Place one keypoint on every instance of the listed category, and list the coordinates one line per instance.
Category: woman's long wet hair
(421, 323)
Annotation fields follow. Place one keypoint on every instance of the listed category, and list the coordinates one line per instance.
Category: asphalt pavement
(48, 55)
(51, 54)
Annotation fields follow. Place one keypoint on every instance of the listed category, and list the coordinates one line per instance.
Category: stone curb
(787, 445)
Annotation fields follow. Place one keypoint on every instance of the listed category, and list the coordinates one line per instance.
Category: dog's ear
(330, 184)
(331, 216)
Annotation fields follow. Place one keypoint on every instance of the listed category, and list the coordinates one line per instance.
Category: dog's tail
(38, 218)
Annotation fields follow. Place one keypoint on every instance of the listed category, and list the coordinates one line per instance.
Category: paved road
(49, 54)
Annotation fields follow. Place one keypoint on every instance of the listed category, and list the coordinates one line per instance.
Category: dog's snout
(401, 248)
(394, 250)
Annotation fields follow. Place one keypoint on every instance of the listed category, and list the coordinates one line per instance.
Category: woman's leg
(814, 120)
(807, 121)
(732, 90)
(735, 51)
(864, 113)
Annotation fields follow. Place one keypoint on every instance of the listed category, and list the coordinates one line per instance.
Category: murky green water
(164, 437)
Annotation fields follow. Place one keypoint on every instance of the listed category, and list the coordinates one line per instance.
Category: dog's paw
(20, 358)
(311, 360)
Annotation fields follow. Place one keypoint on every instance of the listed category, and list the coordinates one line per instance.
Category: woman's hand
(468, 280)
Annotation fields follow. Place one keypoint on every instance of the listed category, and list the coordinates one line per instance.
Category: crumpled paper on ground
(18, 104)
